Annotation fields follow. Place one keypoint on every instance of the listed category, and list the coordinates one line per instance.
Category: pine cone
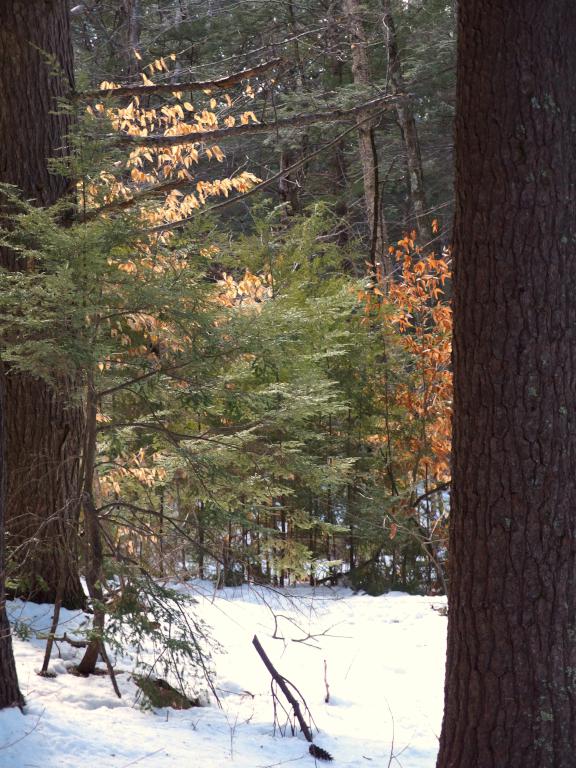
(319, 753)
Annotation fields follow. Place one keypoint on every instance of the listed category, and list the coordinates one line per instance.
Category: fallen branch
(284, 684)
(65, 639)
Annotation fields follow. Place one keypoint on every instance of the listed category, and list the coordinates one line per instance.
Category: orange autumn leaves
(414, 301)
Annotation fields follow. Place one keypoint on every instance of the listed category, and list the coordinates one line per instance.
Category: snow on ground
(385, 666)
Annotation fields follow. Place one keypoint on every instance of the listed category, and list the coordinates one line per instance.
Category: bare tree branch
(325, 116)
(263, 184)
(198, 85)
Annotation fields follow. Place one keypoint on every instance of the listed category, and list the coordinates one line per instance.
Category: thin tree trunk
(201, 536)
(407, 126)
(362, 76)
(510, 677)
(43, 423)
(161, 563)
(131, 27)
(95, 557)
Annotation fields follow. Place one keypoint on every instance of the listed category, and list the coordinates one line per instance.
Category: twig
(284, 762)
(144, 757)
(21, 738)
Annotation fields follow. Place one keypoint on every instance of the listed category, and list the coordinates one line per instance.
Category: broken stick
(292, 700)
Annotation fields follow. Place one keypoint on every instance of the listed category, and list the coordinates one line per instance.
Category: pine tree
(510, 698)
(44, 422)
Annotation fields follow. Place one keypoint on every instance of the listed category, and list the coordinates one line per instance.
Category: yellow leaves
(128, 266)
(140, 468)
(137, 55)
(151, 166)
(435, 226)
(244, 181)
(137, 175)
(245, 118)
(105, 85)
(209, 252)
(250, 291)
(218, 154)
(207, 120)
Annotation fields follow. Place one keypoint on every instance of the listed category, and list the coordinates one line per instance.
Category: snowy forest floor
(385, 666)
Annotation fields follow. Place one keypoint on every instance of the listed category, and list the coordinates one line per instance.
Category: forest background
(226, 335)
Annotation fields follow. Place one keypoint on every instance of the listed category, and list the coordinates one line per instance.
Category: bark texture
(511, 665)
(10, 695)
(43, 424)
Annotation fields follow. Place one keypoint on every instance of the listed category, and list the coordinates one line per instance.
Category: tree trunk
(510, 676)
(43, 423)
(10, 695)
(361, 74)
(95, 554)
(408, 128)
(130, 10)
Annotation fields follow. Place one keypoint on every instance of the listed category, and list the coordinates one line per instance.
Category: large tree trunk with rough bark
(43, 423)
(361, 73)
(510, 677)
(10, 695)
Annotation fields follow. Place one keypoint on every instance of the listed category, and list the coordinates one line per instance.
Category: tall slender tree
(362, 75)
(43, 422)
(407, 123)
(510, 678)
